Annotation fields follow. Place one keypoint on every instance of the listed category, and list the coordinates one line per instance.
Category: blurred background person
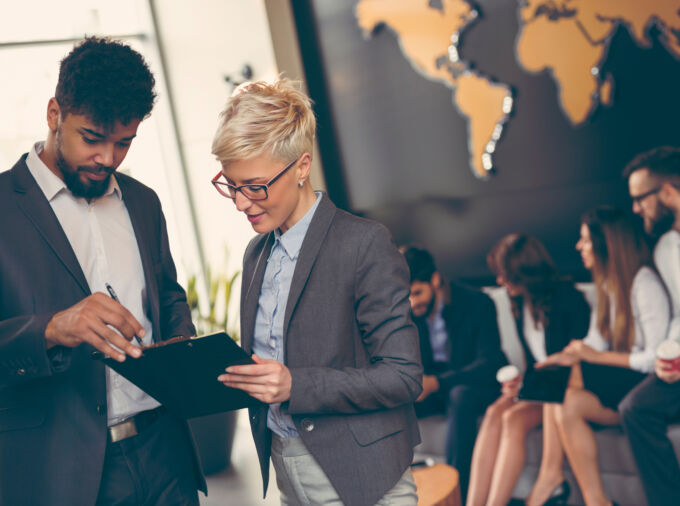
(461, 351)
(653, 182)
(631, 319)
(549, 312)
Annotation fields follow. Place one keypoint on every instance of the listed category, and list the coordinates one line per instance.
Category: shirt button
(307, 425)
(21, 371)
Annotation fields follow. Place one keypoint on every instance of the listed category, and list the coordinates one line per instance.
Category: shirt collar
(50, 184)
(291, 240)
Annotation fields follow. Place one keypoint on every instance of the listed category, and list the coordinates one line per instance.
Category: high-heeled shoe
(560, 495)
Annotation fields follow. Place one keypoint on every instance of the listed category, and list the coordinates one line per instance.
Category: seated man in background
(654, 182)
(461, 352)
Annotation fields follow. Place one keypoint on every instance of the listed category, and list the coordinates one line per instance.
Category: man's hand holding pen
(88, 321)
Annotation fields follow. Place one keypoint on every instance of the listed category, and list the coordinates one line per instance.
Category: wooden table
(437, 485)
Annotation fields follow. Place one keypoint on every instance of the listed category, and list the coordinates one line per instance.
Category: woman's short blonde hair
(262, 118)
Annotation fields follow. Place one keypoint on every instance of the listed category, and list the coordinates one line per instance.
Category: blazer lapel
(425, 344)
(309, 251)
(522, 339)
(252, 284)
(37, 209)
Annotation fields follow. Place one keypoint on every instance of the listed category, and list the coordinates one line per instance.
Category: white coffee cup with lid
(507, 373)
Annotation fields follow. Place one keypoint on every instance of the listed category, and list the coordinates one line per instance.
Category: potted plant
(213, 434)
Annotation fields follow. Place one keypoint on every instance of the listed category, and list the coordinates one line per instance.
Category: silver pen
(113, 295)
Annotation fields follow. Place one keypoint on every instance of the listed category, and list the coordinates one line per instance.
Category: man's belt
(135, 424)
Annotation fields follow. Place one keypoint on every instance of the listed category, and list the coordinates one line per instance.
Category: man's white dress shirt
(102, 237)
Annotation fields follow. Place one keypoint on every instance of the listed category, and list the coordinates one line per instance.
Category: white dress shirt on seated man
(667, 261)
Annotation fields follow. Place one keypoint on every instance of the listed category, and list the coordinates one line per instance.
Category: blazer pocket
(369, 428)
(20, 417)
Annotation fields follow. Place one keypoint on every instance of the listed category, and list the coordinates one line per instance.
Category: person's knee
(494, 411)
(570, 409)
(637, 408)
(628, 408)
(514, 421)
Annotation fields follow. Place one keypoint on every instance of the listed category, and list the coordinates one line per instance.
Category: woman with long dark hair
(631, 318)
(549, 312)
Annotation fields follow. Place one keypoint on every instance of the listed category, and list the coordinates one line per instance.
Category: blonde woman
(324, 313)
(630, 320)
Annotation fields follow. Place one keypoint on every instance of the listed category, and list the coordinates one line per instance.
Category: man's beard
(90, 189)
(430, 307)
(662, 222)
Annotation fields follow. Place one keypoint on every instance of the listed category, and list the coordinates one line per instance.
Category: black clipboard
(181, 374)
(548, 384)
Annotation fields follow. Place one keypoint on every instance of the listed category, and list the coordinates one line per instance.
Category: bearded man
(461, 351)
(653, 183)
(72, 431)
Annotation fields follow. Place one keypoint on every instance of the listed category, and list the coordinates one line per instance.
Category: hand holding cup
(667, 366)
(669, 353)
(510, 379)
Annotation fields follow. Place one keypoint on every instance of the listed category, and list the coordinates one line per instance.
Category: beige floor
(241, 483)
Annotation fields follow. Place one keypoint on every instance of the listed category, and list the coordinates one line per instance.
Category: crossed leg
(500, 450)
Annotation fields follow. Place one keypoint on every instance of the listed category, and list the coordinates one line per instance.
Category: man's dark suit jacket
(352, 351)
(473, 343)
(53, 423)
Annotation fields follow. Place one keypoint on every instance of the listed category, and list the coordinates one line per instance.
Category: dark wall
(394, 147)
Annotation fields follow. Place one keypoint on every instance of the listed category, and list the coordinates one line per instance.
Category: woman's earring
(301, 183)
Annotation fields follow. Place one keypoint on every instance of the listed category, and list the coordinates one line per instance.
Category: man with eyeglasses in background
(72, 431)
(654, 182)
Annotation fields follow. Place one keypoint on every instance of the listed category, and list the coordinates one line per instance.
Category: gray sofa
(617, 465)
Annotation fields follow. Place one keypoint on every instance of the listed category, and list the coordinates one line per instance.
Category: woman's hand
(584, 352)
(562, 358)
(267, 380)
(511, 388)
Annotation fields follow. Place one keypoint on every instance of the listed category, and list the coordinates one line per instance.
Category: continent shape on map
(428, 37)
(571, 38)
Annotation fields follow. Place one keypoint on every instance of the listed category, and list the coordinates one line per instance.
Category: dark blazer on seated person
(568, 319)
(473, 343)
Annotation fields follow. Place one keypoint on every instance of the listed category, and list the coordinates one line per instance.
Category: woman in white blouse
(631, 318)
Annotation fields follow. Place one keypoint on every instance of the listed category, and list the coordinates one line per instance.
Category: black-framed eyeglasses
(639, 198)
(250, 191)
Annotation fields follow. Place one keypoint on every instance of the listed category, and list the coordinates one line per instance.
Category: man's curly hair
(107, 81)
